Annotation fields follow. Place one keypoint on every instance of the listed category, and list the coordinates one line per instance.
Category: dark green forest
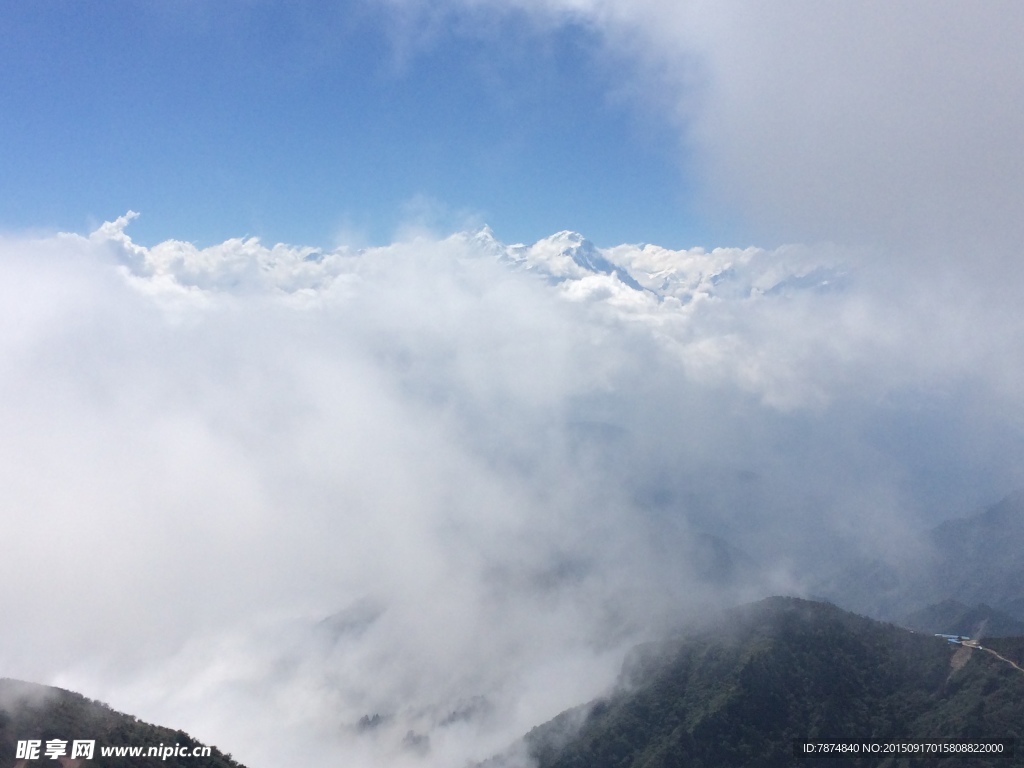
(29, 711)
(739, 692)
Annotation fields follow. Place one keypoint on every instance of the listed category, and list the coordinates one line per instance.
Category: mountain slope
(982, 556)
(973, 560)
(739, 693)
(30, 711)
(954, 618)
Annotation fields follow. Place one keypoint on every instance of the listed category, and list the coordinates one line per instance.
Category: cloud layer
(400, 504)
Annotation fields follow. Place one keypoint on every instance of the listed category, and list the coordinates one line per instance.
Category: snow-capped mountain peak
(565, 256)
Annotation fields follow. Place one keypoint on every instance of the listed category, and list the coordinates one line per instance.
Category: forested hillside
(38, 712)
(741, 691)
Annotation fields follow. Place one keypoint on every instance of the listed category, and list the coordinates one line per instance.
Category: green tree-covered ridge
(30, 711)
(740, 691)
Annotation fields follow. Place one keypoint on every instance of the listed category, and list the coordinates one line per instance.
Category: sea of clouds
(397, 505)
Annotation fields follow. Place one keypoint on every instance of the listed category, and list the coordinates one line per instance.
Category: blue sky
(303, 123)
(890, 126)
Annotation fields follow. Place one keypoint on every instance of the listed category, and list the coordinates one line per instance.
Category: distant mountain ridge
(955, 618)
(645, 272)
(738, 692)
(985, 555)
(662, 273)
(973, 560)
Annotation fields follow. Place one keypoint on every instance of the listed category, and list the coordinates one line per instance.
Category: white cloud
(495, 461)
